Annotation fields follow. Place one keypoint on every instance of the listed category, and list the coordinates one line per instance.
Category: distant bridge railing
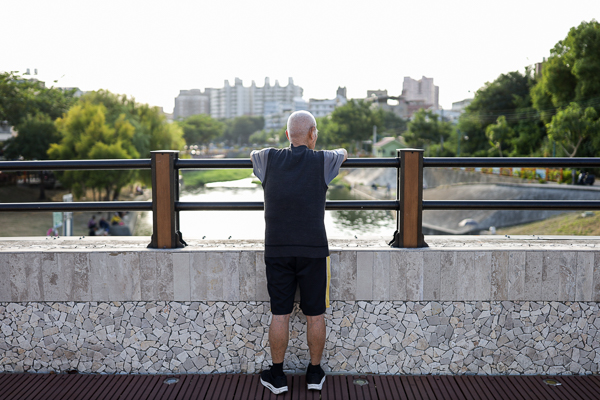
(409, 203)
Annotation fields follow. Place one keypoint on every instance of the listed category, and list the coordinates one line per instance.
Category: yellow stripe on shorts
(328, 280)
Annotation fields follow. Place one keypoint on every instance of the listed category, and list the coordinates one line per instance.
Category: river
(215, 225)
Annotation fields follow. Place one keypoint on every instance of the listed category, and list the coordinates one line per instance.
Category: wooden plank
(295, 387)
(352, 392)
(442, 385)
(150, 387)
(41, 387)
(434, 387)
(467, 388)
(497, 387)
(424, 387)
(216, 387)
(509, 387)
(370, 388)
(479, 387)
(29, 390)
(15, 386)
(592, 388)
(201, 388)
(583, 382)
(453, 387)
(255, 388)
(187, 386)
(577, 392)
(90, 389)
(529, 389)
(242, 388)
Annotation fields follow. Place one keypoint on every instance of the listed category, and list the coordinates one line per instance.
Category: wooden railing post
(409, 229)
(165, 192)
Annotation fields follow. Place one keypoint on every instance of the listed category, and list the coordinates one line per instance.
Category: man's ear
(287, 135)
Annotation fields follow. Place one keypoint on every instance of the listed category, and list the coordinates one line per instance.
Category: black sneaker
(315, 379)
(276, 385)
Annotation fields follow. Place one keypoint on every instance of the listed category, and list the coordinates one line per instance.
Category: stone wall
(464, 305)
(382, 337)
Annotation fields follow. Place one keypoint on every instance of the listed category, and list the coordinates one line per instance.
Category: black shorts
(311, 274)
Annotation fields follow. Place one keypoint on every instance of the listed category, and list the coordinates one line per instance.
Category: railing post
(165, 191)
(409, 229)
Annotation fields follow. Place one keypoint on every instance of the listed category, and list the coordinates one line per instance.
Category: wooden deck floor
(200, 387)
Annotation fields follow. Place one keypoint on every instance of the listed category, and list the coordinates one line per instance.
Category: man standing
(295, 182)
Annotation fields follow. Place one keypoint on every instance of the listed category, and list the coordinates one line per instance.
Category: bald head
(299, 125)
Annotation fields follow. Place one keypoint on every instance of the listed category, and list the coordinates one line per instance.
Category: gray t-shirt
(333, 160)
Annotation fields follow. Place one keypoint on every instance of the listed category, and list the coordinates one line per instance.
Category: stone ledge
(103, 271)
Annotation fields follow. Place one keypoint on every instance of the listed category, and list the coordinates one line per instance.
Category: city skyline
(152, 50)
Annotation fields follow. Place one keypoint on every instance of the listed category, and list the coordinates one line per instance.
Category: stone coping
(457, 243)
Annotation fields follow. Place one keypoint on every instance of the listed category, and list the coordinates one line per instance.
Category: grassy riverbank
(200, 178)
(564, 224)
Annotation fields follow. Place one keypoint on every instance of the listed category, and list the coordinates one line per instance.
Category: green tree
(152, 131)
(350, 124)
(35, 134)
(509, 96)
(86, 135)
(571, 72)
(572, 126)
(201, 129)
(239, 129)
(20, 97)
(499, 133)
(426, 129)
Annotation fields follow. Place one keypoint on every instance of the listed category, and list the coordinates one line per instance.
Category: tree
(350, 124)
(499, 133)
(571, 72)
(152, 130)
(426, 129)
(201, 129)
(572, 126)
(239, 129)
(86, 135)
(20, 97)
(36, 133)
(509, 96)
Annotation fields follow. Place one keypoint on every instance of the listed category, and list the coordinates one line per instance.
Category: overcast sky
(151, 49)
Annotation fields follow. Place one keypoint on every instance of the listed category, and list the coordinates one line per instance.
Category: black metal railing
(409, 204)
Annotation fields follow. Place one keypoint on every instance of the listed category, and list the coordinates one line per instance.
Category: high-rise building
(422, 92)
(237, 100)
(191, 102)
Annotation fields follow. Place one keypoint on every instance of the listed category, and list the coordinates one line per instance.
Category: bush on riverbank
(200, 178)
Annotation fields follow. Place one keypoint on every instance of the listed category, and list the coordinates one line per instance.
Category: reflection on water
(251, 224)
(360, 223)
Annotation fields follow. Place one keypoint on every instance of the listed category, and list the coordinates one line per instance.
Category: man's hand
(345, 153)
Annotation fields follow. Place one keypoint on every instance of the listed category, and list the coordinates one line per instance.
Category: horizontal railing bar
(216, 163)
(511, 204)
(490, 162)
(67, 165)
(259, 205)
(79, 206)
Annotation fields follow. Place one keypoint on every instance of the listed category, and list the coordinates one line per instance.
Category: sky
(152, 49)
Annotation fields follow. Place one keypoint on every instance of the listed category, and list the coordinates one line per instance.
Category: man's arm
(333, 161)
(259, 163)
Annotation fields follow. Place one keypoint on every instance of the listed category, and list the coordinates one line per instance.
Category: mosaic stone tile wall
(386, 337)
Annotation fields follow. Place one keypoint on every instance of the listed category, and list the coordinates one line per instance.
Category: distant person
(104, 225)
(295, 182)
(116, 219)
(92, 225)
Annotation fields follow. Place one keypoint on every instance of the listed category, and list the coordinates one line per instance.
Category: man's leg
(315, 337)
(279, 334)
